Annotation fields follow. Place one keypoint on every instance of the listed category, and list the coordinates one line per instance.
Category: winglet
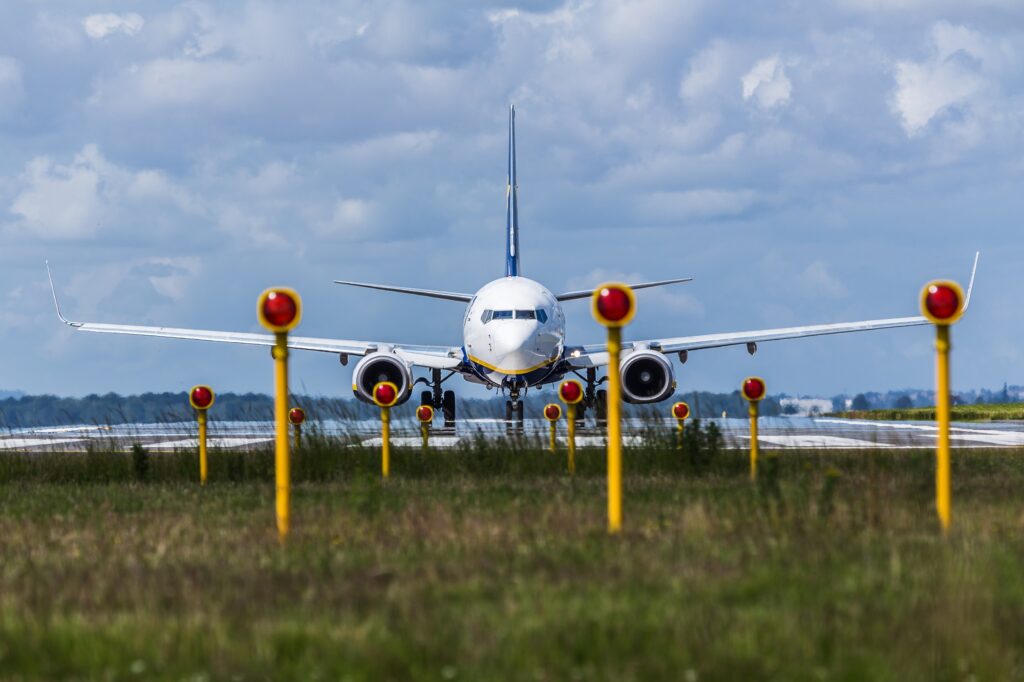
(970, 285)
(56, 305)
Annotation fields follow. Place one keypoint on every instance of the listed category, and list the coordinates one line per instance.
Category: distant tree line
(150, 408)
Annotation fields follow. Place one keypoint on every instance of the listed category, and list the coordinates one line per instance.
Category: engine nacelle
(378, 367)
(647, 377)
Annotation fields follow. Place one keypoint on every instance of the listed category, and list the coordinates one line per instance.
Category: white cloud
(956, 75)
(61, 202)
(99, 26)
(767, 83)
(11, 88)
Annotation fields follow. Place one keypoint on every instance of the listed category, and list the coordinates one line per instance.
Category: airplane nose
(510, 338)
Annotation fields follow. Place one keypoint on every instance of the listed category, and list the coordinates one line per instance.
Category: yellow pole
(753, 440)
(570, 411)
(943, 503)
(201, 416)
(680, 432)
(282, 474)
(614, 432)
(425, 431)
(385, 434)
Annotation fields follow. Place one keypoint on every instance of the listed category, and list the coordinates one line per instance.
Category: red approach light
(279, 308)
(570, 392)
(296, 415)
(425, 413)
(201, 397)
(680, 410)
(942, 301)
(614, 303)
(753, 388)
(385, 394)
(552, 412)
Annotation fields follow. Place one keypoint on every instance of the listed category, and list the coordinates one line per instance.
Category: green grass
(963, 413)
(493, 564)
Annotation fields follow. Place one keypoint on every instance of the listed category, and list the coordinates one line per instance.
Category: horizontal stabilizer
(429, 293)
(587, 293)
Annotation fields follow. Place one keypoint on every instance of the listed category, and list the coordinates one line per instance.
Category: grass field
(492, 564)
(962, 413)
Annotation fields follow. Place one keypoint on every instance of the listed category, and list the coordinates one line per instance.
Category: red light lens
(385, 394)
(613, 304)
(552, 412)
(424, 413)
(570, 391)
(202, 397)
(296, 415)
(681, 411)
(279, 309)
(942, 302)
(753, 389)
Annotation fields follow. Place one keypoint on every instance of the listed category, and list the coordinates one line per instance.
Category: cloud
(61, 201)
(955, 76)
(12, 90)
(767, 83)
(99, 26)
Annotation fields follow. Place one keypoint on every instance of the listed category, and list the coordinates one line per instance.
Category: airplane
(514, 339)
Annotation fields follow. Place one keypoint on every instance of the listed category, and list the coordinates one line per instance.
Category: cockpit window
(502, 315)
(526, 315)
(486, 317)
(542, 316)
(537, 314)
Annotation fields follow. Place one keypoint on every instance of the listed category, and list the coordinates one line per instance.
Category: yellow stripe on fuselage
(510, 371)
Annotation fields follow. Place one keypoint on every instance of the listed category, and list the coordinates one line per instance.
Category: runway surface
(775, 433)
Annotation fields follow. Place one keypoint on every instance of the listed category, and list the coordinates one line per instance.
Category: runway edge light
(385, 395)
(201, 399)
(753, 389)
(279, 310)
(425, 415)
(570, 392)
(942, 302)
(613, 305)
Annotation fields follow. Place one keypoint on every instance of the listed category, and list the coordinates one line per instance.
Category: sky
(805, 162)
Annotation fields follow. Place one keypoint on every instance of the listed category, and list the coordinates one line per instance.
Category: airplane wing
(587, 293)
(595, 355)
(432, 357)
(429, 293)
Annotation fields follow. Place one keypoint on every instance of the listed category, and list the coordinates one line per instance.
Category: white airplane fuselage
(514, 332)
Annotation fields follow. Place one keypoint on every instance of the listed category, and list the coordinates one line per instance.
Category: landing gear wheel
(581, 413)
(448, 406)
(601, 411)
(427, 398)
(514, 416)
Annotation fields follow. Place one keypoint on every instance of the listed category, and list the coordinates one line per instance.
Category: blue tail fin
(512, 211)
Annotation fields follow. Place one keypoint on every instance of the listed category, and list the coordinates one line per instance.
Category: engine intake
(378, 367)
(647, 377)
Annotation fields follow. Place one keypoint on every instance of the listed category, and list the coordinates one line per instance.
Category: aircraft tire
(427, 398)
(448, 407)
(601, 409)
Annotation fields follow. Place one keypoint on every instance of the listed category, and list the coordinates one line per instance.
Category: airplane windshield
(537, 314)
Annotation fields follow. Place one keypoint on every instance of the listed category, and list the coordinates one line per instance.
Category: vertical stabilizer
(512, 210)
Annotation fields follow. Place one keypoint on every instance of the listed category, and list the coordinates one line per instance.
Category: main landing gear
(595, 399)
(440, 399)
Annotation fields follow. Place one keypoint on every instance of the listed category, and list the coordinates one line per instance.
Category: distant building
(803, 407)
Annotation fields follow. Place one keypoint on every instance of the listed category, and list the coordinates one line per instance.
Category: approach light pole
(753, 389)
(942, 302)
(296, 416)
(614, 306)
(553, 412)
(681, 411)
(279, 310)
(201, 399)
(570, 392)
(425, 415)
(385, 395)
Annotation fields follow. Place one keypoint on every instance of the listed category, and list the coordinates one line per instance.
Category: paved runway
(775, 433)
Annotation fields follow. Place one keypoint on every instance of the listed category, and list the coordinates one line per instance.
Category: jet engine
(647, 377)
(378, 367)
